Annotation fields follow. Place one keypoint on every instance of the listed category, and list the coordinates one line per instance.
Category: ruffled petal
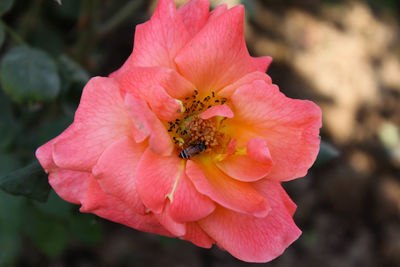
(100, 120)
(146, 124)
(113, 209)
(220, 110)
(232, 194)
(115, 172)
(217, 55)
(247, 79)
(165, 219)
(158, 40)
(156, 178)
(254, 239)
(255, 164)
(194, 15)
(197, 236)
(262, 63)
(187, 204)
(70, 185)
(289, 126)
(139, 80)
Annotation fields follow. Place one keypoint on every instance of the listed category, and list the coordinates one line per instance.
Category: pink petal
(216, 12)
(197, 236)
(139, 80)
(164, 106)
(70, 185)
(187, 204)
(113, 209)
(194, 15)
(100, 120)
(253, 166)
(220, 110)
(217, 55)
(159, 40)
(165, 219)
(248, 79)
(232, 194)
(262, 63)
(156, 177)
(254, 239)
(147, 124)
(115, 172)
(289, 126)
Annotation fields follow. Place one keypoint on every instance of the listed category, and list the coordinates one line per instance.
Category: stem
(13, 34)
(123, 14)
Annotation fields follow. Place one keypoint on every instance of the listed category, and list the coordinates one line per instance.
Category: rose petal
(262, 63)
(113, 209)
(157, 44)
(217, 55)
(253, 166)
(247, 79)
(156, 178)
(138, 81)
(220, 110)
(100, 120)
(289, 126)
(197, 236)
(254, 239)
(70, 185)
(115, 172)
(194, 15)
(165, 219)
(147, 124)
(187, 204)
(235, 195)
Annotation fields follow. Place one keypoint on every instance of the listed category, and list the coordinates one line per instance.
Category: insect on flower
(192, 150)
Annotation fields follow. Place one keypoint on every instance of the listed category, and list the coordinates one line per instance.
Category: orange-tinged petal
(289, 126)
(247, 79)
(219, 110)
(254, 239)
(217, 55)
(255, 164)
(197, 236)
(235, 195)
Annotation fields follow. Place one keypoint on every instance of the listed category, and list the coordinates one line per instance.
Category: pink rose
(189, 138)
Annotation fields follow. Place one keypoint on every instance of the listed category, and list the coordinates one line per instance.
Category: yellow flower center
(189, 132)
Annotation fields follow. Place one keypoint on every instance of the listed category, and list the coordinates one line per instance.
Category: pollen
(190, 129)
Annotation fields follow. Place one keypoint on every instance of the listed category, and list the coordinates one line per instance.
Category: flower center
(195, 135)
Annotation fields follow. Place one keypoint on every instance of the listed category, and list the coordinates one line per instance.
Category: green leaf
(72, 73)
(86, 229)
(29, 74)
(5, 5)
(10, 222)
(8, 125)
(30, 181)
(327, 152)
(2, 35)
(47, 233)
(10, 245)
